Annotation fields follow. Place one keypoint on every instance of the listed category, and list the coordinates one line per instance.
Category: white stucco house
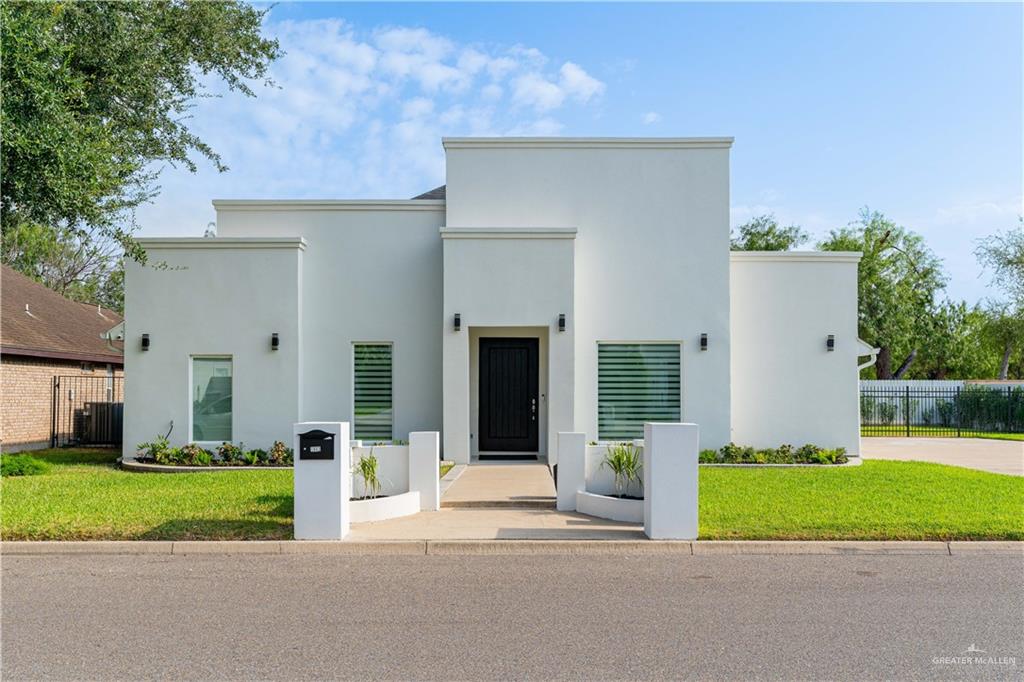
(553, 284)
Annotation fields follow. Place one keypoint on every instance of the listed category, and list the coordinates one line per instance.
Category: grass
(446, 467)
(896, 431)
(86, 497)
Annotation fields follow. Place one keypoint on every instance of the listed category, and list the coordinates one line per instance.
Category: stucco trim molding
(795, 256)
(193, 243)
(508, 233)
(587, 142)
(329, 204)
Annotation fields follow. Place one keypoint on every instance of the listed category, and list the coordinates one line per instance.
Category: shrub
(366, 469)
(229, 453)
(279, 454)
(193, 455)
(22, 465)
(626, 464)
(252, 457)
(708, 456)
(154, 450)
(168, 456)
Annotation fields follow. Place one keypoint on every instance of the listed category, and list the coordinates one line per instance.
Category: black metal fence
(87, 410)
(941, 411)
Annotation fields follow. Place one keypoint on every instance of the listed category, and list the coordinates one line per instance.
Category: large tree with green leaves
(763, 233)
(94, 96)
(1003, 255)
(898, 279)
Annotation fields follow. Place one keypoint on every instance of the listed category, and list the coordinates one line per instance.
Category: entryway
(526, 485)
(509, 398)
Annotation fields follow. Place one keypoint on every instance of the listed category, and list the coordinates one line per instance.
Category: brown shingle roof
(436, 193)
(53, 326)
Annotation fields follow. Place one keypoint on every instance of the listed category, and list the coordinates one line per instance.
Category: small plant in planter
(625, 463)
(366, 469)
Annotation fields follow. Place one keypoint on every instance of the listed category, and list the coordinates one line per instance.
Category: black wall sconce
(275, 341)
(703, 341)
(561, 322)
(830, 343)
(458, 322)
(145, 342)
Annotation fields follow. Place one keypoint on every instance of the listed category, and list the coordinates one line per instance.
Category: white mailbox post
(670, 481)
(322, 480)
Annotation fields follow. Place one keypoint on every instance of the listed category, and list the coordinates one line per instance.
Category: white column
(322, 486)
(572, 457)
(424, 468)
(670, 481)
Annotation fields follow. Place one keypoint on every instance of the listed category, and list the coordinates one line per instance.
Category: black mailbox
(316, 444)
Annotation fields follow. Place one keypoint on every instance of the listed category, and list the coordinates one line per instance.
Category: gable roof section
(436, 193)
(53, 326)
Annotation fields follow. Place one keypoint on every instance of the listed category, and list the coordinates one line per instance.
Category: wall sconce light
(830, 343)
(275, 341)
(458, 322)
(561, 322)
(703, 341)
(145, 342)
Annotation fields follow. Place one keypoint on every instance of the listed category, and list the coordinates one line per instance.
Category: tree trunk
(883, 363)
(1004, 367)
(906, 365)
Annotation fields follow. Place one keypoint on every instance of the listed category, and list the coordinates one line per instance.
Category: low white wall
(786, 386)
(600, 479)
(392, 468)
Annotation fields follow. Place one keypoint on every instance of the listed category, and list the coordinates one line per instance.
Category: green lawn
(85, 496)
(933, 432)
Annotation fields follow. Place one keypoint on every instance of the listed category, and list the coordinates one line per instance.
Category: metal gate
(87, 410)
(972, 410)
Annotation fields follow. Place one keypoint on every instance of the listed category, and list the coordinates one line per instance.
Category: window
(374, 416)
(211, 399)
(636, 383)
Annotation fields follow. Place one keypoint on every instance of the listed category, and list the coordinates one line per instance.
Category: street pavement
(497, 617)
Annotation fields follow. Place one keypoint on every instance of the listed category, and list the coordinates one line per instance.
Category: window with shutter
(374, 415)
(637, 383)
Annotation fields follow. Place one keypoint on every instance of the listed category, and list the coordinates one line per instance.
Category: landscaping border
(850, 462)
(489, 547)
(143, 468)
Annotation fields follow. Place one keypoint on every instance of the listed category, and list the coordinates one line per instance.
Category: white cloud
(578, 83)
(359, 113)
(533, 90)
(651, 117)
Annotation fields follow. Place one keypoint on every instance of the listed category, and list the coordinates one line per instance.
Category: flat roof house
(553, 284)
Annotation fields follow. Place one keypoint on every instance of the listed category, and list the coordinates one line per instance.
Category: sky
(913, 110)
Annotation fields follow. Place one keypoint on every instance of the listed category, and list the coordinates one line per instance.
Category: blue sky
(914, 110)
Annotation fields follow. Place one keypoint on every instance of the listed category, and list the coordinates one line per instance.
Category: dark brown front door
(508, 395)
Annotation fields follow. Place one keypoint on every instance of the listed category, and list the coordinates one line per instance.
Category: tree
(898, 278)
(92, 96)
(1004, 335)
(764, 234)
(950, 345)
(1004, 255)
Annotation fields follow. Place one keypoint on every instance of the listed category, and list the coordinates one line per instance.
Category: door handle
(533, 409)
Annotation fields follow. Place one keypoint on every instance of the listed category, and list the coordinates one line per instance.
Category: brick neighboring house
(44, 335)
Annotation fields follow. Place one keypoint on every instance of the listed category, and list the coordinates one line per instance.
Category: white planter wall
(600, 479)
(392, 468)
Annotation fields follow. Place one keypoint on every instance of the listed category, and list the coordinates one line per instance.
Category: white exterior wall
(786, 387)
(518, 280)
(215, 297)
(371, 273)
(651, 253)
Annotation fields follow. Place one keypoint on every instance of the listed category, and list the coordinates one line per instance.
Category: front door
(508, 395)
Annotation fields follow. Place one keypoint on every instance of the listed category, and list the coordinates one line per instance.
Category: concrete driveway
(997, 456)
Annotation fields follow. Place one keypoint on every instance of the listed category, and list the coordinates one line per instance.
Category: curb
(508, 547)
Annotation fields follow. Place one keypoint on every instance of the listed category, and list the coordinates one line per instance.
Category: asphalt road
(496, 617)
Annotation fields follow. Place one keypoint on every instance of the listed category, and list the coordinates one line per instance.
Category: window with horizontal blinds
(636, 383)
(374, 415)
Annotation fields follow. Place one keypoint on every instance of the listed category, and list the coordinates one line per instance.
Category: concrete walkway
(496, 524)
(996, 456)
(525, 485)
